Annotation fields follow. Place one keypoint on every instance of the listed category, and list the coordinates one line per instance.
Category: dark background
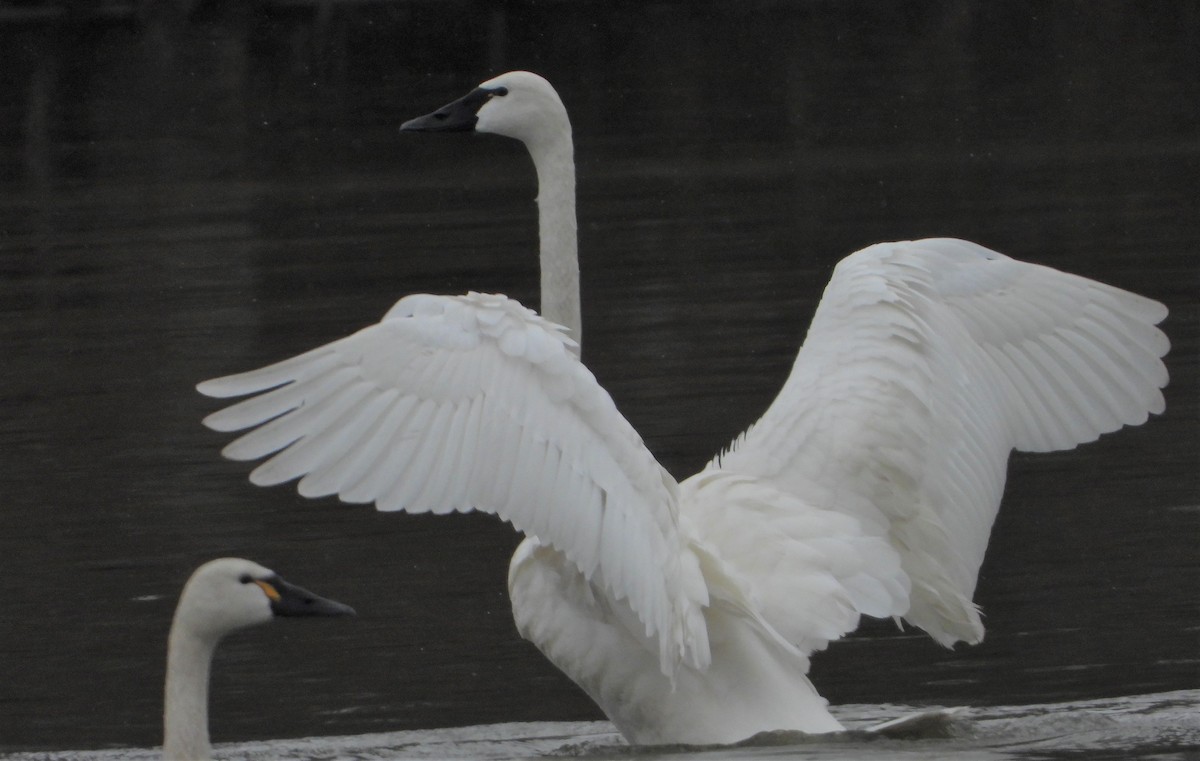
(192, 189)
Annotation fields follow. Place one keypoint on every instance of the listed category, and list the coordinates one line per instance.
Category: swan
(221, 596)
(688, 610)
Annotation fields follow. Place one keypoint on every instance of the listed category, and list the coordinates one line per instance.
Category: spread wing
(475, 402)
(927, 362)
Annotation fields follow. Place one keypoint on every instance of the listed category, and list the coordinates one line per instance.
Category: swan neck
(557, 235)
(185, 705)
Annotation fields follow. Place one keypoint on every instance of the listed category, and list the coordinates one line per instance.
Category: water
(180, 201)
(1164, 726)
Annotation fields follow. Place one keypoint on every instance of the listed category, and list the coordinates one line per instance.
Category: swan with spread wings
(688, 610)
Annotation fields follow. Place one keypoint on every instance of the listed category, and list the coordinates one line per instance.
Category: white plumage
(688, 611)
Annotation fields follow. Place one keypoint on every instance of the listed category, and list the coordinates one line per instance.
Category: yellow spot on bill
(271, 591)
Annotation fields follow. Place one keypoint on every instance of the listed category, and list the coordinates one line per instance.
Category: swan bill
(458, 116)
(290, 600)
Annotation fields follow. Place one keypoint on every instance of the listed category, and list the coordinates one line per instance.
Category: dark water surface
(181, 200)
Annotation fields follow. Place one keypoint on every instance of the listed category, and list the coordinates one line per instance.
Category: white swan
(220, 597)
(687, 611)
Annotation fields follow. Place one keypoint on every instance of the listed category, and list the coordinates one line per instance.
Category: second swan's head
(230, 593)
(519, 104)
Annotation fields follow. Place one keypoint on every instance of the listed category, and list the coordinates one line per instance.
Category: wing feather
(374, 469)
(474, 402)
(926, 364)
(336, 470)
(292, 371)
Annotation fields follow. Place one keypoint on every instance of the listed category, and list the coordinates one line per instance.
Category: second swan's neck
(185, 705)
(555, 163)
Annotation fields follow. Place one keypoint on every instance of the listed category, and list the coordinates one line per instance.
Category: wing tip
(217, 388)
(217, 421)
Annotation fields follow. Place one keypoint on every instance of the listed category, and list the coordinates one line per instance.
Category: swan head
(518, 104)
(230, 593)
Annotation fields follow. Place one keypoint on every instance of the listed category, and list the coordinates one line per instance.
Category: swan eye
(500, 91)
(245, 578)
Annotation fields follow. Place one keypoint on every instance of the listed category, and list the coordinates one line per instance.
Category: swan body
(220, 597)
(688, 610)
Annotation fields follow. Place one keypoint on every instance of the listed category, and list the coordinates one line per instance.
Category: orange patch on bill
(271, 591)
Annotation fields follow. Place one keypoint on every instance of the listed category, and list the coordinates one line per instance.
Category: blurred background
(190, 188)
